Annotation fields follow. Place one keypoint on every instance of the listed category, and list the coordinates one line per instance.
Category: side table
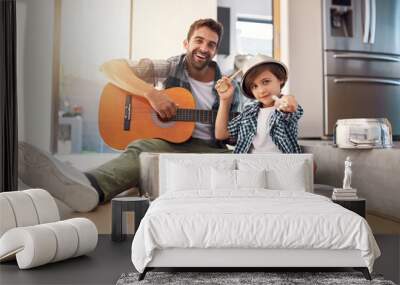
(358, 206)
(138, 205)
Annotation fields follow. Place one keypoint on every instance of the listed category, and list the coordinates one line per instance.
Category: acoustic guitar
(124, 117)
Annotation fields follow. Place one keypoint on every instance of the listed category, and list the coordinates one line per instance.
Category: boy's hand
(287, 103)
(225, 89)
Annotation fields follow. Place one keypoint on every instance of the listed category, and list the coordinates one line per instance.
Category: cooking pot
(363, 133)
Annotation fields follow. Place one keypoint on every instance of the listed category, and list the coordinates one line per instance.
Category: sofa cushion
(288, 171)
(292, 179)
(284, 171)
(225, 179)
(184, 174)
(251, 178)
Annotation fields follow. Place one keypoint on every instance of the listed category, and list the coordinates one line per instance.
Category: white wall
(159, 26)
(92, 32)
(34, 69)
(252, 7)
(302, 51)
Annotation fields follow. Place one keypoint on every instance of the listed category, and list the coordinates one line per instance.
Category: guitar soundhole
(162, 123)
(162, 120)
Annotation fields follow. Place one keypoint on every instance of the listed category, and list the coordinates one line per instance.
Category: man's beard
(199, 65)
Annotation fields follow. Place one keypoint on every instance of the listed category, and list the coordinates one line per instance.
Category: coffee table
(120, 206)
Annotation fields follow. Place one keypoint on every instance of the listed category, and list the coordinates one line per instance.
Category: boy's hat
(253, 62)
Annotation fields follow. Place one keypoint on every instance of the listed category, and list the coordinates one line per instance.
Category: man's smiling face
(201, 47)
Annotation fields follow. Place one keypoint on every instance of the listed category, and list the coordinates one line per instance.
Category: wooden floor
(380, 225)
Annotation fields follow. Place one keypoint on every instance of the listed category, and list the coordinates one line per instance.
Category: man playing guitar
(195, 71)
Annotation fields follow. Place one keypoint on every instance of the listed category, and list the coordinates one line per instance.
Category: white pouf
(31, 232)
(37, 245)
(26, 208)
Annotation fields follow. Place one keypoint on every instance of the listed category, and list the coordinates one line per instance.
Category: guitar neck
(196, 115)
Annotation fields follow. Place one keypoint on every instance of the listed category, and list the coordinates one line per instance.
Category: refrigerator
(361, 61)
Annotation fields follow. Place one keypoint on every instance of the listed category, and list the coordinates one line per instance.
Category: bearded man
(197, 72)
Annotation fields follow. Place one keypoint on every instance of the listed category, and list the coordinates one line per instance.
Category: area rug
(243, 278)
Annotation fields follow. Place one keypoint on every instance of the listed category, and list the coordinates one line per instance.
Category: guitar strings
(198, 115)
(191, 117)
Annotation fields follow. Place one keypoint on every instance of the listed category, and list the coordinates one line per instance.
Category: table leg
(140, 211)
(116, 228)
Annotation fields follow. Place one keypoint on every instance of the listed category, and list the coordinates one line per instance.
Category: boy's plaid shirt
(283, 129)
(172, 73)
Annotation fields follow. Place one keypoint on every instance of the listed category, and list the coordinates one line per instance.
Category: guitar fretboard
(201, 116)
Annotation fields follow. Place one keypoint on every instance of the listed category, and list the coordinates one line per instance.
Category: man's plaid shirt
(173, 73)
(283, 129)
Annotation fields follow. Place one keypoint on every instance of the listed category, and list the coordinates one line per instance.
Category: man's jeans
(123, 172)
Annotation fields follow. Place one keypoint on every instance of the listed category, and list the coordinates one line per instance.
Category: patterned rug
(243, 278)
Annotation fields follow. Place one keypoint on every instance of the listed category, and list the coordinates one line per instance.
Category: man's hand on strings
(162, 104)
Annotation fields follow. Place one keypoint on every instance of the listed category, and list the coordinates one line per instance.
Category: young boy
(269, 124)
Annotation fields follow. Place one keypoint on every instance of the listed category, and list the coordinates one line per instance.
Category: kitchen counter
(316, 142)
(376, 173)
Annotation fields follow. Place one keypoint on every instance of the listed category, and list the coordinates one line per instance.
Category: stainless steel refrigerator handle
(368, 80)
(366, 56)
(373, 22)
(367, 21)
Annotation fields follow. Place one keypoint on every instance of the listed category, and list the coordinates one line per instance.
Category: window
(92, 32)
(254, 35)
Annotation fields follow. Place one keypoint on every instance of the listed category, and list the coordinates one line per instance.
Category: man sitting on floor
(196, 71)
